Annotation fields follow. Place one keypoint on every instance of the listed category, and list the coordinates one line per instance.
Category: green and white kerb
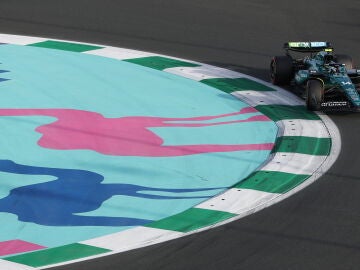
(307, 145)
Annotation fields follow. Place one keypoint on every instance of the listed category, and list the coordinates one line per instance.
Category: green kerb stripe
(229, 85)
(303, 145)
(191, 219)
(283, 112)
(272, 181)
(56, 255)
(160, 63)
(65, 46)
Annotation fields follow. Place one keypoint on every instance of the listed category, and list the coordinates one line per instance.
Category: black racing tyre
(345, 59)
(281, 70)
(314, 95)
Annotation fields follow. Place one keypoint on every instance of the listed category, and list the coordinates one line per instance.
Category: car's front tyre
(281, 70)
(314, 95)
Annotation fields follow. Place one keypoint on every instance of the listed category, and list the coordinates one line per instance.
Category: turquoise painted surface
(44, 78)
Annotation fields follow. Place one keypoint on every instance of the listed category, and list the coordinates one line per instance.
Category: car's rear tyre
(345, 59)
(281, 70)
(314, 95)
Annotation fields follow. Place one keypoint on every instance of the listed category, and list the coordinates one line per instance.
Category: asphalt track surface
(317, 228)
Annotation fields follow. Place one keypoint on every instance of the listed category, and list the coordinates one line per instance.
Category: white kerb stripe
(120, 54)
(6, 265)
(19, 40)
(238, 201)
(305, 128)
(203, 72)
(133, 238)
(294, 163)
(255, 98)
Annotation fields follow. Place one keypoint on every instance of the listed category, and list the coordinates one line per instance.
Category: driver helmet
(328, 58)
(324, 57)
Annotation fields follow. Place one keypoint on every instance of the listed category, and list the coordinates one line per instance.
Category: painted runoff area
(306, 145)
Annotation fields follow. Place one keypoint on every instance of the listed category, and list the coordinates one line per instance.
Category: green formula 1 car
(328, 81)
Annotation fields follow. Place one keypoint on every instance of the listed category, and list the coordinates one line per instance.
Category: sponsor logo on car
(334, 104)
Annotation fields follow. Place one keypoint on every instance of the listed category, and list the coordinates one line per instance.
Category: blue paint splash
(3, 71)
(57, 202)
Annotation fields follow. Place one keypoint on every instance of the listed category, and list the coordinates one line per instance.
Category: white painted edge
(119, 52)
(294, 163)
(255, 98)
(132, 238)
(203, 72)
(305, 128)
(6, 265)
(115, 53)
(20, 40)
(237, 200)
(324, 163)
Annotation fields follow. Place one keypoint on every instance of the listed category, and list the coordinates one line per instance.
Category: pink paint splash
(17, 246)
(127, 136)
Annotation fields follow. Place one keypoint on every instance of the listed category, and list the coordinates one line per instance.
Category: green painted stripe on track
(272, 181)
(303, 145)
(56, 255)
(283, 112)
(190, 220)
(160, 63)
(65, 46)
(229, 85)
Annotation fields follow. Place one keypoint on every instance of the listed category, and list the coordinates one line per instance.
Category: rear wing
(308, 46)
